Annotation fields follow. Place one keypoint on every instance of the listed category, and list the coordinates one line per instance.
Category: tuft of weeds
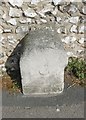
(77, 67)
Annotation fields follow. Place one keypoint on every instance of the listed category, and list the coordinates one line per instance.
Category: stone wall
(18, 17)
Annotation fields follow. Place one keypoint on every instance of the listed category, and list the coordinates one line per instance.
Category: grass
(77, 68)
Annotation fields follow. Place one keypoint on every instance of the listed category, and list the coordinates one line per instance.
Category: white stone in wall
(55, 11)
(33, 21)
(35, 2)
(1, 38)
(30, 13)
(56, 2)
(73, 29)
(69, 39)
(4, 16)
(65, 20)
(22, 29)
(11, 39)
(70, 54)
(12, 21)
(26, 20)
(1, 13)
(1, 53)
(16, 2)
(23, 21)
(41, 14)
(83, 10)
(47, 8)
(7, 30)
(72, 9)
(1, 29)
(82, 40)
(82, 28)
(74, 19)
(38, 21)
(72, 39)
(59, 19)
(29, 20)
(43, 20)
(79, 51)
(62, 30)
(14, 12)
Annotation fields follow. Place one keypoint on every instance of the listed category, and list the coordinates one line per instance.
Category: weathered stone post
(42, 63)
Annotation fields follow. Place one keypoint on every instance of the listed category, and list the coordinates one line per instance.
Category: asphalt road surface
(69, 104)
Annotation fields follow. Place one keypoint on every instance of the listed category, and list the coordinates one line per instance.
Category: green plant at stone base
(77, 67)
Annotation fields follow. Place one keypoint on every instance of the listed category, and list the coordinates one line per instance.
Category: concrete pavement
(69, 104)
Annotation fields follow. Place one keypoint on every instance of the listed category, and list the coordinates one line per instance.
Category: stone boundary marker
(17, 18)
(42, 62)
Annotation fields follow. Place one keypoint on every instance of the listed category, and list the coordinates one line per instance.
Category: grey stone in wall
(42, 63)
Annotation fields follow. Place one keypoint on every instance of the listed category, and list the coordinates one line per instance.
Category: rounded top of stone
(44, 36)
